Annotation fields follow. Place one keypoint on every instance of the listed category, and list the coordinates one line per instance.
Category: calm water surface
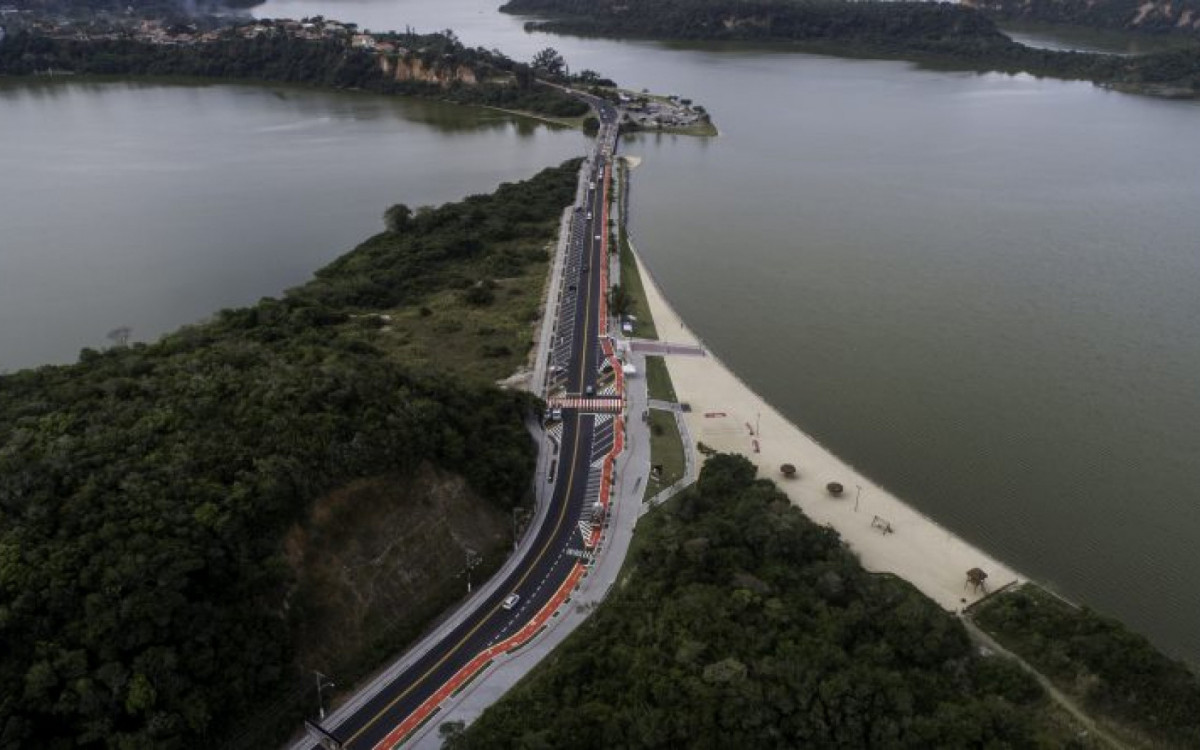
(152, 206)
(980, 289)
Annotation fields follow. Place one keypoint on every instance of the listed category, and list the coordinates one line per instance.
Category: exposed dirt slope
(381, 556)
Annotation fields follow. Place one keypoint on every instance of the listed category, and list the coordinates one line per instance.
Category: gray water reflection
(152, 206)
(978, 288)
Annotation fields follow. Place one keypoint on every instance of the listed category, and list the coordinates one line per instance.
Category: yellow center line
(562, 512)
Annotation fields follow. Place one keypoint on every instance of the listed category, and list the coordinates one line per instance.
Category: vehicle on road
(511, 600)
(589, 390)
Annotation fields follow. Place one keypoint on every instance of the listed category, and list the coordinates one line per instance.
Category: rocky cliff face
(1133, 15)
(413, 68)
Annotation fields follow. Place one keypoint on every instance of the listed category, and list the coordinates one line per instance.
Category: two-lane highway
(549, 560)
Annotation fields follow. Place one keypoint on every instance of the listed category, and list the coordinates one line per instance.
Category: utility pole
(322, 683)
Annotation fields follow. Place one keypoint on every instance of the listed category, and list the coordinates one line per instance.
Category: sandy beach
(887, 534)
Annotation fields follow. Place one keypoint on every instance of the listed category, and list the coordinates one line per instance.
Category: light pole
(757, 420)
(856, 496)
(472, 561)
(322, 683)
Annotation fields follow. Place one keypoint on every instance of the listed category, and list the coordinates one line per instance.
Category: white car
(510, 601)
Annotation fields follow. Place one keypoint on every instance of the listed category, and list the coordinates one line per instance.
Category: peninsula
(934, 33)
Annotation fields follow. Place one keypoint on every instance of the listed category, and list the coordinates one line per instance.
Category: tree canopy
(280, 57)
(945, 33)
(745, 624)
(145, 491)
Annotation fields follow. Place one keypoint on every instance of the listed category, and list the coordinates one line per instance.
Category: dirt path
(1059, 696)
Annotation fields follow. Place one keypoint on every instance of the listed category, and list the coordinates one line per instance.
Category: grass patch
(478, 342)
(666, 451)
(658, 380)
(573, 123)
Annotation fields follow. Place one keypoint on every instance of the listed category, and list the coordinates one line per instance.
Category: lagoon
(152, 205)
(979, 289)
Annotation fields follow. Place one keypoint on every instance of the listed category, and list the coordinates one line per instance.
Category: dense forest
(282, 58)
(1117, 673)
(145, 490)
(1160, 16)
(935, 32)
(743, 624)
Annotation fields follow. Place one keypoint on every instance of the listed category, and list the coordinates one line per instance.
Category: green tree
(549, 61)
(396, 218)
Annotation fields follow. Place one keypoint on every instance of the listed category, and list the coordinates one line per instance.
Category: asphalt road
(549, 560)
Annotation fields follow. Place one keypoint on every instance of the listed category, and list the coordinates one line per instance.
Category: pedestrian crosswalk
(585, 531)
(604, 405)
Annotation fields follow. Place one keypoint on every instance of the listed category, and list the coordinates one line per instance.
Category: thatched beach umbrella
(788, 470)
(835, 488)
(976, 578)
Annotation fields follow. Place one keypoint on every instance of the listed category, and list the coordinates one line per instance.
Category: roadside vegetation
(744, 624)
(631, 285)
(1137, 693)
(166, 508)
(942, 33)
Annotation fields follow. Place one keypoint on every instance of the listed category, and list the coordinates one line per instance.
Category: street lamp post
(472, 561)
(856, 496)
(322, 683)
